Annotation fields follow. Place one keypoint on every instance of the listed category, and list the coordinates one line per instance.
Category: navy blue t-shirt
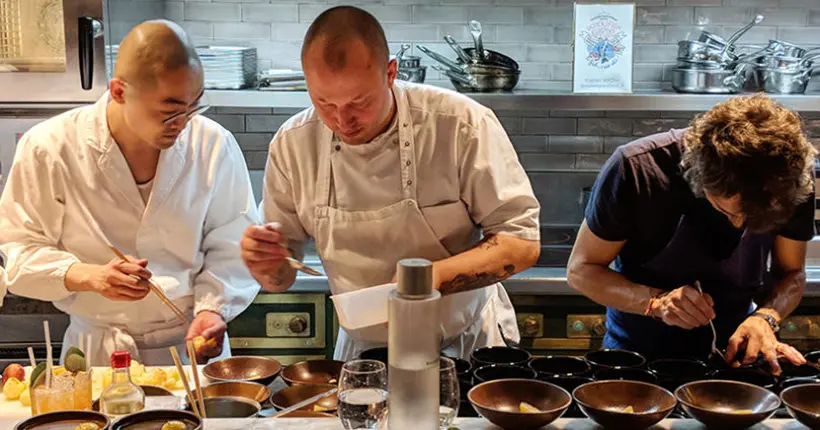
(639, 197)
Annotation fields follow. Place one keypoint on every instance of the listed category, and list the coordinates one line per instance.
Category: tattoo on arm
(488, 242)
(472, 281)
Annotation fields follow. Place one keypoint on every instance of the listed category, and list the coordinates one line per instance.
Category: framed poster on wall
(603, 48)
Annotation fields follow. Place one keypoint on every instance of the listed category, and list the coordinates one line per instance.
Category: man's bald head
(152, 49)
(336, 29)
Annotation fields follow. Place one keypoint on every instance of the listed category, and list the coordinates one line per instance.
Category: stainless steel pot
(412, 74)
(708, 81)
(786, 49)
(775, 81)
(792, 64)
(700, 51)
(711, 39)
(685, 63)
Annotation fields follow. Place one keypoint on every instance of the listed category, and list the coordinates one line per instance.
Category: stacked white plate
(228, 67)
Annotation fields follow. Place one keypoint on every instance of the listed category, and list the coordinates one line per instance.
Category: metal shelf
(533, 100)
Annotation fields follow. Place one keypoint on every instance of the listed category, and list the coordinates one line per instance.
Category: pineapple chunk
(526, 408)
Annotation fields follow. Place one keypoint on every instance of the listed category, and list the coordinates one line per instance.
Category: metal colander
(10, 29)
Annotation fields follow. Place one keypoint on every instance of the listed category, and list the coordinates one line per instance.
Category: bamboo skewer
(183, 376)
(156, 290)
(31, 358)
(49, 364)
(192, 357)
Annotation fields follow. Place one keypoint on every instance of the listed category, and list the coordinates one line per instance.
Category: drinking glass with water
(362, 394)
(449, 392)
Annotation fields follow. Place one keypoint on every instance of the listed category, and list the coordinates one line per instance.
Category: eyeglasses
(188, 115)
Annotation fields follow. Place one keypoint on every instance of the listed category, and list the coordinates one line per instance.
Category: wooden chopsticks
(192, 358)
(183, 376)
(156, 290)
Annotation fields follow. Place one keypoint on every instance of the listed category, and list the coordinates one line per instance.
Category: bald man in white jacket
(142, 172)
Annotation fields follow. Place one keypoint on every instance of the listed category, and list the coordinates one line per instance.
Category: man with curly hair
(691, 219)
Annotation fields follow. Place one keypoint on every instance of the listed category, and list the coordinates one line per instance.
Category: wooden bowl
(499, 402)
(313, 372)
(803, 403)
(292, 395)
(605, 402)
(261, 370)
(64, 420)
(716, 403)
(154, 419)
(247, 390)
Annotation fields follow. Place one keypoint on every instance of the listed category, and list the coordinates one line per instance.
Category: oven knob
(529, 327)
(297, 325)
(598, 328)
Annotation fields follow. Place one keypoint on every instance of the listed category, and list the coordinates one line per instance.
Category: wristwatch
(769, 319)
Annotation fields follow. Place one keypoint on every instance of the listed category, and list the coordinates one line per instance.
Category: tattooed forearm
(488, 242)
(472, 281)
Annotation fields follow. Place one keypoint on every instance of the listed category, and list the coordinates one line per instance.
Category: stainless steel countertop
(537, 280)
(531, 100)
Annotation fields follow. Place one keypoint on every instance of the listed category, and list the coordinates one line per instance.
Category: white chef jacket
(461, 154)
(70, 189)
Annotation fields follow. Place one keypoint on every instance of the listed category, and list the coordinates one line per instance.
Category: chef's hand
(263, 249)
(757, 336)
(684, 307)
(211, 326)
(118, 280)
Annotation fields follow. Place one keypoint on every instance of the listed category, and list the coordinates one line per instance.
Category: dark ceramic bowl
(727, 404)
(606, 403)
(378, 354)
(749, 376)
(499, 402)
(793, 382)
(626, 374)
(803, 403)
(672, 373)
(561, 366)
(499, 355)
(606, 358)
(494, 372)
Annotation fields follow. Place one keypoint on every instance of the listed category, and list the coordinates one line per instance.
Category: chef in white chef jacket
(141, 171)
(377, 171)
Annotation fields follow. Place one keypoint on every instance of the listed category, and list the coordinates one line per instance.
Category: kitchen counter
(461, 423)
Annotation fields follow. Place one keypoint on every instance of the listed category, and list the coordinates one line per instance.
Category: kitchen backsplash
(537, 33)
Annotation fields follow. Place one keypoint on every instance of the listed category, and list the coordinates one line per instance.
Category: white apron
(147, 343)
(360, 249)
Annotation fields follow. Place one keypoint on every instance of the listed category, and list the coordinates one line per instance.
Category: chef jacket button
(409, 182)
(408, 162)
(338, 147)
(406, 143)
(405, 124)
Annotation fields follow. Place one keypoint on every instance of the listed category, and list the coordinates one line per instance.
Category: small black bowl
(672, 373)
(378, 354)
(791, 382)
(561, 366)
(813, 357)
(492, 372)
(569, 383)
(607, 358)
(499, 355)
(749, 376)
(463, 367)
(626, 374)
(792, 371)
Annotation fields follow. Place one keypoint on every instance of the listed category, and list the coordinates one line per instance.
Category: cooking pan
(494, 58)
(261, 370)
(313, 372)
